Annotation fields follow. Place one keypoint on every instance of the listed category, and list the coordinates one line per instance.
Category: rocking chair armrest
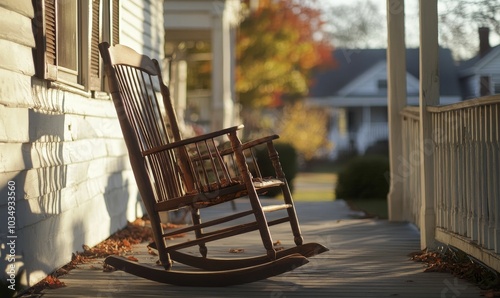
(252, 143)
(192, 140)
(259, 141)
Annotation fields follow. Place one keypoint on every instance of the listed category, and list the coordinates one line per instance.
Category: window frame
(99, 21)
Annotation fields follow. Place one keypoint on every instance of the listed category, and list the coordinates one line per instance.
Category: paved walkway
(367, 258)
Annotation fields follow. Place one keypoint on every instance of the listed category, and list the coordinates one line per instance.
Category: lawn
(314, 187)
(320, 186)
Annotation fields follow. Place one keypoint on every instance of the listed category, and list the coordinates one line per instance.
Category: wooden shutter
(95, 65)
(46, 40)
(115, 26)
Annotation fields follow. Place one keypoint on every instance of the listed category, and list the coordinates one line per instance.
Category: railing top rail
(411, 112)
(470, 103)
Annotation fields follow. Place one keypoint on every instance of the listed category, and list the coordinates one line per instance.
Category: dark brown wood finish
(173, 173)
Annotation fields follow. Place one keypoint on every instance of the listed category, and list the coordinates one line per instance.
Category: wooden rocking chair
(174, 173)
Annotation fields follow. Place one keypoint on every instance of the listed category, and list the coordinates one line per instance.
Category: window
(382, 85)
(68, 33)
(484, 86)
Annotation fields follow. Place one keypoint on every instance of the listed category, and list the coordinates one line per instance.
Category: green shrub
(289, 162)
(363, 177)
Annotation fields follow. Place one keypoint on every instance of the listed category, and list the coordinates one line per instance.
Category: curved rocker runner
(209, 278)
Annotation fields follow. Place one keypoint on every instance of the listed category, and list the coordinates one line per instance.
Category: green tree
(278, 45)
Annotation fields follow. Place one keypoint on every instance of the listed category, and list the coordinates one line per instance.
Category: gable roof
(469, 67)
(352, 63)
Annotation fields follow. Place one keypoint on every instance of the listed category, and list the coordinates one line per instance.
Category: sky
(411, 19)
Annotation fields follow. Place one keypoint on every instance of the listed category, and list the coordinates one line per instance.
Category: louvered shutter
(115, 39)
(95, 68)
(45, 35)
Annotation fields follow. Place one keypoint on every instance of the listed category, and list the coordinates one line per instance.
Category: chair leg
(292, 215)
(260, 217)
(164, 257)
(195, 215)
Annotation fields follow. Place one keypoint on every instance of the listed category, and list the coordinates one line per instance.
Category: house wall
(61, 151)
(142, 27)
(490, 67)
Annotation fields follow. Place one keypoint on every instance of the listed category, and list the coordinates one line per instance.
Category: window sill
(69, 88)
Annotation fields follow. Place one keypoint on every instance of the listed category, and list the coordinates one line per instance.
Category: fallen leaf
(132, 258)
(108, 268)
(126, 243)
(236, 250)
(53, 282)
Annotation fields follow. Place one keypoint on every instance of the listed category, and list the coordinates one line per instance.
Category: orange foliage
(278, 45)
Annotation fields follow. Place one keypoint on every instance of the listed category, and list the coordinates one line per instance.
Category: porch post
(429, 96)
(396, 79)
(224, 20)
(220, 69)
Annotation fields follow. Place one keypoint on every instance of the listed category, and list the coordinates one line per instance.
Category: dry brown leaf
(108, 268)
(126, 243)
(132, 258)
(53, 282)
(236, 250)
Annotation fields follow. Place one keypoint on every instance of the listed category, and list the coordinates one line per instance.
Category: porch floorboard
(367, 258)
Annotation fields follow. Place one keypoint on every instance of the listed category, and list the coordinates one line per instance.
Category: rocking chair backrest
(140, 97)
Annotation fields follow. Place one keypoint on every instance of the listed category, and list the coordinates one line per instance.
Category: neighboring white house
(355, 94)
(480, 75)
(63, 162)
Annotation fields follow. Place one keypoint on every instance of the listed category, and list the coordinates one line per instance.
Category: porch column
(396, 79)
(222, 103)
(429, 96)
(178, 89)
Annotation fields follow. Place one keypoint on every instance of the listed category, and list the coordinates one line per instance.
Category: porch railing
(466, 153)
(409, 173)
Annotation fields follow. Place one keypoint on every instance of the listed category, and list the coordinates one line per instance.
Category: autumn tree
(278, 45)
(305, 128)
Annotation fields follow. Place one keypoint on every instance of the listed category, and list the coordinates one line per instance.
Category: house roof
(352, 63)
(469, 67)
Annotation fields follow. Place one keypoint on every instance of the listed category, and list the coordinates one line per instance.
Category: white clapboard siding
(16, 89)
(132, 31)
(63, 148)
(17, 58)
(36, 155)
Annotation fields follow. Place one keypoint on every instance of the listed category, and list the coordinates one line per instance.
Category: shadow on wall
(60, 197)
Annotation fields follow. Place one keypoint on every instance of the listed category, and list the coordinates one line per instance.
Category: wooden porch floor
(367, 258)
